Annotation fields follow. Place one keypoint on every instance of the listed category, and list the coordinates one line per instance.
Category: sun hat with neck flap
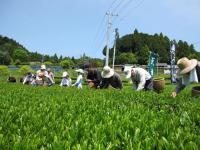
(65, 74)
(185, 65)
(43, 67)
(80, 71)
(107, 72)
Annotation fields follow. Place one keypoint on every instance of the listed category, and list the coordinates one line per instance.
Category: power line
(124, 6)
(131, 10)
(100, 29)
(114, 10)
(198, 42)
(101, 41)
(111, 5)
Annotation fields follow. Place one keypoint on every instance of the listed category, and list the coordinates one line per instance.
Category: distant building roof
(161, 64)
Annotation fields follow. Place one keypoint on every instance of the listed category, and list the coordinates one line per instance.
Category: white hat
(80, 71)
(185, 65)
(107, 72)
(127, 72)
(65, 74)
(43, 67)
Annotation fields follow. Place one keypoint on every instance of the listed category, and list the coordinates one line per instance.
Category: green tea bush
(68, 118)
(4, 70)
(25, 69)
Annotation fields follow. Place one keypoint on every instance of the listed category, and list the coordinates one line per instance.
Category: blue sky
(74, 27)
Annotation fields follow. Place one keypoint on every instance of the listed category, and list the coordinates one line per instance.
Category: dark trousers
(148, 85)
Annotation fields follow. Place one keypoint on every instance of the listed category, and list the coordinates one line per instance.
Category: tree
(126, 58)
(60, 58)
(67, 63)
(17, 62)
(55, 58)
(20, 54)
(5, 58)
(143, 55)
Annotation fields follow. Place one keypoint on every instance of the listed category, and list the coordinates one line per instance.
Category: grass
(68, 118)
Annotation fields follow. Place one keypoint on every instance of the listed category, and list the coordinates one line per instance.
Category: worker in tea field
(93, 77)
(66, 81)
(11, 79)
(28, 79)
(51, 75)
(42, 77)
(141, 79)
(79, 79)
(110, 79)
(189, 72)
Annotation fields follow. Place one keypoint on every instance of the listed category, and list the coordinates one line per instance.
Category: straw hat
(65, 74)
(185, 65)
(80, 71)
(43, 67)
(107, 72)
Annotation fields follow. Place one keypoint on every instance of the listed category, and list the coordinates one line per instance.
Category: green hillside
(134, 48)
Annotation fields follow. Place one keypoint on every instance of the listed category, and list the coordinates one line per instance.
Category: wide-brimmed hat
(65, 74)
(185, 65)
(127, 72)
(107, 72)
(43, 67)
(80, 71)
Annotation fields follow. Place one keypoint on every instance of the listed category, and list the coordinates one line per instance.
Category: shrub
(4, 70)
(25, 69)
(35, 63)
(48, 63)
(17, 62)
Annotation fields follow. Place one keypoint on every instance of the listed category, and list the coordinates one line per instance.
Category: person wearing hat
(51, 75)
(110, 78)
(66, 81)
(41, 73)
(189, 72)
(141, 79)
(42, 77)
(28, 78)
(79, 79)
(93, 77)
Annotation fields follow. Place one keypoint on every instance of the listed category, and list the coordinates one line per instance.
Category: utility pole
(115, 42)
(42, 59)
(109, 23)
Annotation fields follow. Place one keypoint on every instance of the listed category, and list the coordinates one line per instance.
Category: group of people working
(189, 72)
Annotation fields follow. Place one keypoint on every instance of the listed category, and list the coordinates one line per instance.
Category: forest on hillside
(135, 48)
(130, 49)
(13, 53)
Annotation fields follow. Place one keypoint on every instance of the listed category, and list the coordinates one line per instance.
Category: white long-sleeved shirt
(66, 82)
(140, 78)
(78, 82)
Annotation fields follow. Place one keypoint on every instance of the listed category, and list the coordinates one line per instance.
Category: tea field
(68, 118)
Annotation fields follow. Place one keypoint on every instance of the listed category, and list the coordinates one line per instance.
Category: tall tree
(21, 55)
